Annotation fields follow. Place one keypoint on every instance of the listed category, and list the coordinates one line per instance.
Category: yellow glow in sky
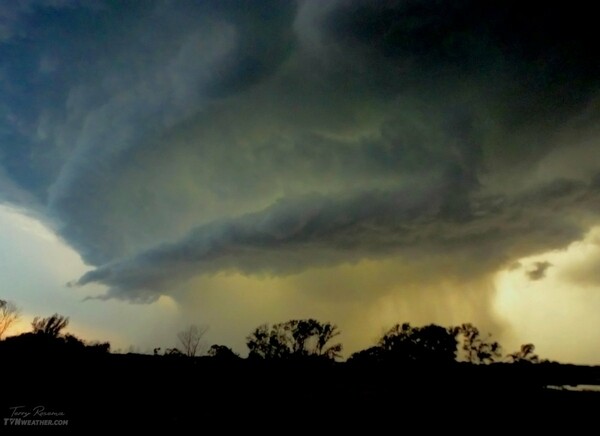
(35, 266)
(556, 313)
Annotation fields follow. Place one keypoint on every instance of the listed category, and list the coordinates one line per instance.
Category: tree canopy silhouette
(429, 344)
(406, 344)
(294, 339)
(478, 349)
(222, 352)
(50, 326)
(46, 337)
(299, 338)
(525, 355)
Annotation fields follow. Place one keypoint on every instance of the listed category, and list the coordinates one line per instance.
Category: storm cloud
(167, 140)
(539, 270)
(293, 235)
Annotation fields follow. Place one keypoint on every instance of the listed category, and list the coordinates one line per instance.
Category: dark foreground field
(207, 395)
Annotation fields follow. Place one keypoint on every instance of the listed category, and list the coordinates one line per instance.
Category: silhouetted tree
(428, 344)
(222, 352)
(372, 354)
(191, 338)
(50, 326)
(477, 348)
(97, 346)
(525, 355)
(73, 343)
(51, 342)
(9, 314)
(295, 338)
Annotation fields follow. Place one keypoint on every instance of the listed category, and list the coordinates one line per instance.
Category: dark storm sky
(170, 140)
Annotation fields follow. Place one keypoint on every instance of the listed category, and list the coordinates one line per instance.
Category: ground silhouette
(410, 378)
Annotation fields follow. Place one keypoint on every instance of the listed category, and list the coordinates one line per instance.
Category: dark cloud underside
(165, 140)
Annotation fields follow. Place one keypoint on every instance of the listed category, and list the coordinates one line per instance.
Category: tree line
(294, 340)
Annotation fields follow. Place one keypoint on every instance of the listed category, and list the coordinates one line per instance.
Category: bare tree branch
(9, 314)
(191, 339)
